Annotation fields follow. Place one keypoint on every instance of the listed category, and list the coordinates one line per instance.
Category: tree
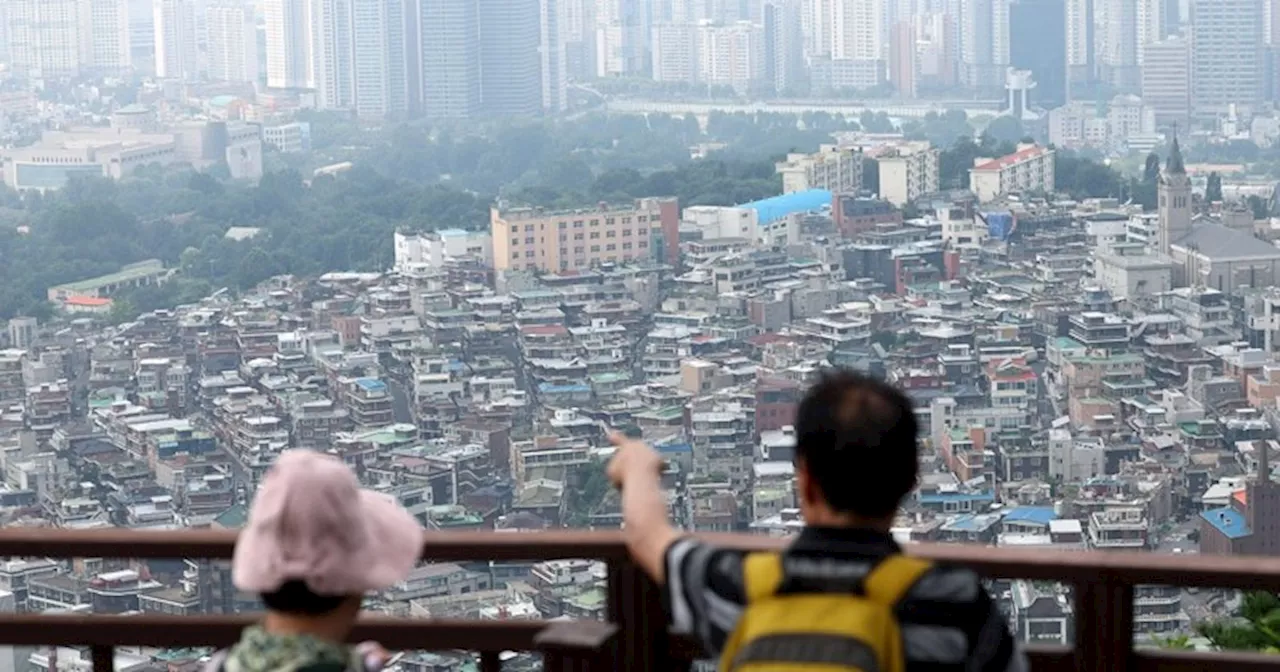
(1256, 628)
(1006, 128)
(1213, 189)
(1151, 172)
(871, 175)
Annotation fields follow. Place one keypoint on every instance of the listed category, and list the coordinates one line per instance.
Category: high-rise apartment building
(379, 58)
(731, 55)
(288, 43)
(623, 37)
(1037, 42)
(984, 42)
(176, 39)
(1116, 43)
(142, 32)
(1166, 80)
(903, 66)
(44, 37)
(510, 78)
(450, 38)
(570, 240)
(784, 65)
(1082, 66)
(105, 34)
(333, 54)
(908, 172)
(551, 55)
(859, 32)
(233, 41)
(675, 53)
(833, 168)
(1226, 53)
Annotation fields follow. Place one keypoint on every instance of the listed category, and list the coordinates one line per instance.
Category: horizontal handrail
(1067, 566)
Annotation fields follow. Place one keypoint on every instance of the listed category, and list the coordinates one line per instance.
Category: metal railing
(636, 637)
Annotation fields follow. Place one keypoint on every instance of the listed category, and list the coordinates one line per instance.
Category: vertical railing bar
(636, 607)
(490, 661)
(1104, 625)
(104, 658)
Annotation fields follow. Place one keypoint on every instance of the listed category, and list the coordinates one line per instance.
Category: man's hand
(631, 459)
(636, 471)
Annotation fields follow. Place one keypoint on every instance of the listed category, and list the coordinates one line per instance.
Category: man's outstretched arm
(636, 470)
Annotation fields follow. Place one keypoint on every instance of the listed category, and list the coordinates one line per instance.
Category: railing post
(636, 607)
(104, 658)
(1104, 625)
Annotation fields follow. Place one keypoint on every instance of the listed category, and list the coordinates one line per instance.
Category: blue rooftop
(1040, 515)
(1230, 523)
(777, 207)
(552, 388)
(371, 384)
(674, 448)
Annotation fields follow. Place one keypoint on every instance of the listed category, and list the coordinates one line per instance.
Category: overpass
(901, 109)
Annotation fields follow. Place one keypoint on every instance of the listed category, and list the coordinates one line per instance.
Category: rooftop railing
(636, 637)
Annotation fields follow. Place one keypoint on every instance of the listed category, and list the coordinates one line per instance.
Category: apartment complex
(908, 172)
(569, 240)
(1028, 169)
(833, 168)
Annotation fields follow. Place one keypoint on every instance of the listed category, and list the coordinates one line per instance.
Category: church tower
(1175, 201)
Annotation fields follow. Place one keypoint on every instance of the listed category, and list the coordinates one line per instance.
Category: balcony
(635, 637)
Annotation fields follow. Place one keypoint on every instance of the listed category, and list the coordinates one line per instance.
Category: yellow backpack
(791, 625)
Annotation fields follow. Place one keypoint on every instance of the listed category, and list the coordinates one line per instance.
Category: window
(528, 240)
(515, 228)
(528, 228)
(643, 244)
(515, 255)
(595, 248)
(595, 222)
(626, 233)
(577, 236)
(626, 246)
(529, 254)
(611, 234)
(610, 247)
(577, 250)
(595, 235)
(563, 224)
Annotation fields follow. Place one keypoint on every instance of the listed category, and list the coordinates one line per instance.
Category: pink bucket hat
(311, 522)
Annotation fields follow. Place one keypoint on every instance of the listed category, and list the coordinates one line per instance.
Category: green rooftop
(233, 518)
(589, 599)
(138, 271)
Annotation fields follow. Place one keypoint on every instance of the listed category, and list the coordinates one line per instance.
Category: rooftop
(777, 207)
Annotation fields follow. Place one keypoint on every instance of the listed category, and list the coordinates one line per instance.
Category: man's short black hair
(857, 438)
(294, 597)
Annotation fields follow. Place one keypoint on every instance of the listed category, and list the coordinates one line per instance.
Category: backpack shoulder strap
(761, 575)
(218, 662)
(890, 580)
(324, 667)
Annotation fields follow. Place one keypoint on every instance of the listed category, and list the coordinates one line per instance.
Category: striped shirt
(949, 622)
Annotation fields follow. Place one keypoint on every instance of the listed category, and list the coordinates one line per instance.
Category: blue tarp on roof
(1230, 523)
(371, 384)
(777, 207)
(1041, 515)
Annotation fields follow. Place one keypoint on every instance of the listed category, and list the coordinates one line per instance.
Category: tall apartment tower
(288, 43)
(1226, 53)
(105, 45)
(1117, 43)
(551, 55)
(1174, 202)
(450, 39)
(510, 77)
(379, 58)
(984, 42)
(176, 39)
(332, 55)
(784, 45)
(44, 37)
(233, 41)
(1166, 79)
(1082, 68)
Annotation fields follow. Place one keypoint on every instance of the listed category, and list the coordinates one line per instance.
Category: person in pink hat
(314, 544)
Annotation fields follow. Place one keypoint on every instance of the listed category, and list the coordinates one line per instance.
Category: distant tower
(1175, 201)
